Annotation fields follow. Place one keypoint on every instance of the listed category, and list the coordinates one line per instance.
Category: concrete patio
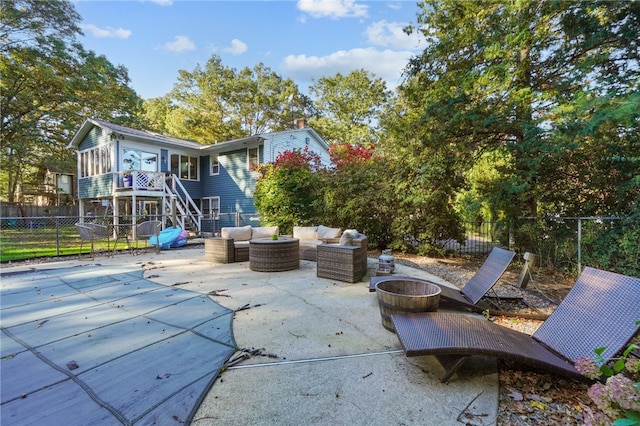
(318, 351)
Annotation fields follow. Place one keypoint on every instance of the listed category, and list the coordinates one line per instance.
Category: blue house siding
(96, 137)
(235, 184)
(193, 187)
(100, 186)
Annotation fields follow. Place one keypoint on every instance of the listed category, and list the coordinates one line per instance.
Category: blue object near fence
(166, 238)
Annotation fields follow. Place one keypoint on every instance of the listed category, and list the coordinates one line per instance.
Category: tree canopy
(553, 83)
(215, 103)
(349, 107)
(49, 85)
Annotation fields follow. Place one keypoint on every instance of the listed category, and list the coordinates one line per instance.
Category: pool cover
(97, 345)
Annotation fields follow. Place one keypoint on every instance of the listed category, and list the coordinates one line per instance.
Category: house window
(215, 165)
(184, 166)
(96, 161)
(210, 207)
(133, 159)
(252, 154)
(105, 159)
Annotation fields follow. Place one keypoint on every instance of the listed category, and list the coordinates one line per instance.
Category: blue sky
(302, 40)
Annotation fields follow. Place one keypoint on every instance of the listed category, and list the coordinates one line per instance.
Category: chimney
(301, 123)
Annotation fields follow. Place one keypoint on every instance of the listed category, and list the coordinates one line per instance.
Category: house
(131, 174)
(54, 187)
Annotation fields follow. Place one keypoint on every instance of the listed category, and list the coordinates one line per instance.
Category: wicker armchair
(221, 250)
(343, 263)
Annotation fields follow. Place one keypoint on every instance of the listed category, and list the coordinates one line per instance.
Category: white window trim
(208, 200)
(213, 157)
(257, 148)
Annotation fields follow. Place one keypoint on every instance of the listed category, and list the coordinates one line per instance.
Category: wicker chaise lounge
(601, 310)
(477, 287)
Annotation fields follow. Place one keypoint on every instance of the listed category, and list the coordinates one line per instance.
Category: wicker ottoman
(267, 255)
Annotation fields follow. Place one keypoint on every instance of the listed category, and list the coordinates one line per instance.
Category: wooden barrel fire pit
(403, 296)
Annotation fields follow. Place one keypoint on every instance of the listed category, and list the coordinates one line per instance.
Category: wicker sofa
(312, 236)
(345, 261)
(233, 243)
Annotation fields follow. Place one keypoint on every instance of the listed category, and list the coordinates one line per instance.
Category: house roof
(158, 138)
(299, 130)
(233, 144)
(132, 133)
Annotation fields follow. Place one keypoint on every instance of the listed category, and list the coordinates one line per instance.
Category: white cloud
(333, 8)
(385, 64)
(107, 32)
(180, 44)
(237, 47)
(390, 34)
(162, 2)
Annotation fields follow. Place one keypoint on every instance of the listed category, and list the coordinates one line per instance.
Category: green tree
(155, 113)
(49, 85)
(358, 193)
(288, 191)
(349, 107)
(218, 103)
(554, 83)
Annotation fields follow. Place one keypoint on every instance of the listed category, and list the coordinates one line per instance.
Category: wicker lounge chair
(468, 297)
(477, 287)
(600, 310)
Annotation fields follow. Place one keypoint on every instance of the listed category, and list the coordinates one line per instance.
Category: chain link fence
(562, 243)
(570, 243)
(54, 236)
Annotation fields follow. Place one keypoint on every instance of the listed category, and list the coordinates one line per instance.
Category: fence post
(512, 236)
(57, 235)
(579, 246)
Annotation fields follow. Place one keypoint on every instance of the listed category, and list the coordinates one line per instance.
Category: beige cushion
(324, 232)
(238, 233)
(264, 231)
(305, 232)
(346, 239)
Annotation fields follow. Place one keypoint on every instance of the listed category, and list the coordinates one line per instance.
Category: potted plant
(127, 178)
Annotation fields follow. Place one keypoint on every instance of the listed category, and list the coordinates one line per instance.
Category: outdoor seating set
(339, 255)
(93, 232)
(601, 310)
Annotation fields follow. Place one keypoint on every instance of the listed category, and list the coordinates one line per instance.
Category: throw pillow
(346, 239)
(305, 232)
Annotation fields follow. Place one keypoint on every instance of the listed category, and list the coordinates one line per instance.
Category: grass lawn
(21, 244)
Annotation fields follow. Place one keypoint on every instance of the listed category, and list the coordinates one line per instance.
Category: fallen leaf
(538, 405)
